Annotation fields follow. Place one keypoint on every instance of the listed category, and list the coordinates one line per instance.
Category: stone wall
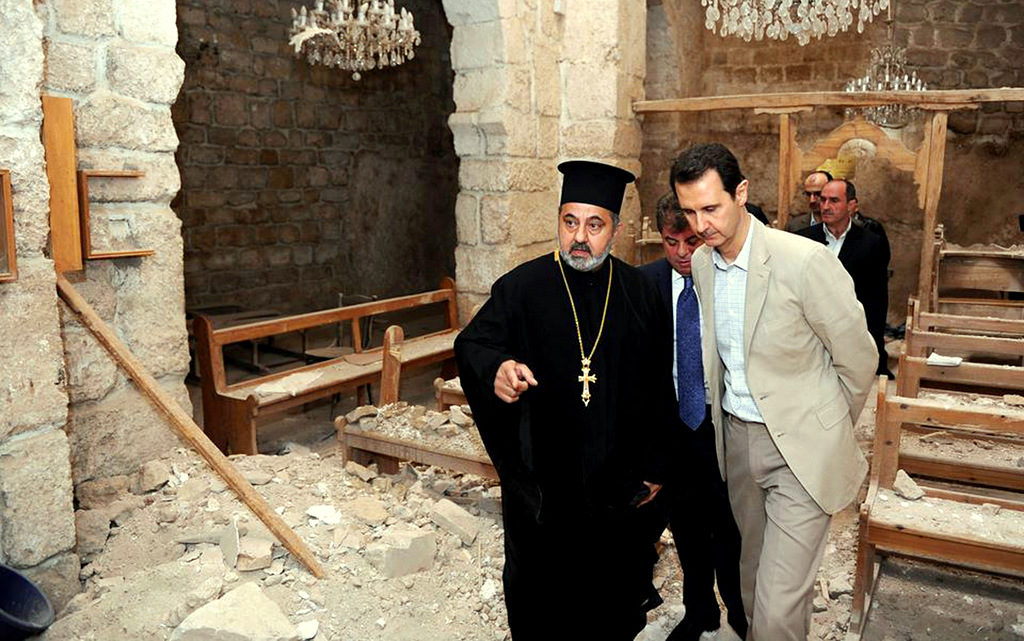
(68, 417)
(37, 529)
(953, 45)
(299, 182)
(535, 83)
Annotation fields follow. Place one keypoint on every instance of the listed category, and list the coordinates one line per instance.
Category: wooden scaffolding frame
(926, 163)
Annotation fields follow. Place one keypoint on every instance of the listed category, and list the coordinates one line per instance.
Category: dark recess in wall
(298, 182)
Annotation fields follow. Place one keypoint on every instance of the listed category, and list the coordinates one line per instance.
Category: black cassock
(578, 555)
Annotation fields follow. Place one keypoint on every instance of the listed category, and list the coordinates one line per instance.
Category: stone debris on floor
(452, 430)
(170, 553)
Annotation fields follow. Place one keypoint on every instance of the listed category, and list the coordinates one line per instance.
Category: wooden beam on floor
(185, 426)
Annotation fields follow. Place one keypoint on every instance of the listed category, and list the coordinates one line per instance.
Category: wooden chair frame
(893, 414)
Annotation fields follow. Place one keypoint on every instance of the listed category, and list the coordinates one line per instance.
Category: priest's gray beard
(585, 263)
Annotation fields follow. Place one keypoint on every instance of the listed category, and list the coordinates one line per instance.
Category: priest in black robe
(572, 397)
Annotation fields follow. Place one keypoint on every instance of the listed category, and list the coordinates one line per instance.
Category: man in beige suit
(789, 362)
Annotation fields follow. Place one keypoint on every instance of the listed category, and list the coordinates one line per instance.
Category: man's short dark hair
(699, 159)
(827, 175)
(668, 215)
(851, 191)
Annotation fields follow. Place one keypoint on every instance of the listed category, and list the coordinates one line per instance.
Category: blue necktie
(689, 365)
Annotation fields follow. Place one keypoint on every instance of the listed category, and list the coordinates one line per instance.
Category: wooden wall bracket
(83, 208)
(8, 252)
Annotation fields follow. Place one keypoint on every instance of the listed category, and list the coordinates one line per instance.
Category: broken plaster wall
(535, 83)
(68, 416)
(957, 44)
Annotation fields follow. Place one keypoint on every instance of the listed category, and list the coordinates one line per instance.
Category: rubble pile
(452, 430)
(169, 553)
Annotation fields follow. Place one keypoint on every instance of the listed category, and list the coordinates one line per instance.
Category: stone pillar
(116, 60)
(37, 531)
(675, 39)
(535, 83)
(603, 69)
(67, 415)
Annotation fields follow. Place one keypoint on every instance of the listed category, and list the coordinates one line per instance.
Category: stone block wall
(115, 59)
(299, 182)
(535, 83)
(37, 531)
(953, 44)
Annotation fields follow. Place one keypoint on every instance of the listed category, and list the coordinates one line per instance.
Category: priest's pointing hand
(512, 379)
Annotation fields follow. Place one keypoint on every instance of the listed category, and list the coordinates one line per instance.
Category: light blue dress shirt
(730, 305)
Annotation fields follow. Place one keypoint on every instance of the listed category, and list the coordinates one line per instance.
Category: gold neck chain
(586, 377)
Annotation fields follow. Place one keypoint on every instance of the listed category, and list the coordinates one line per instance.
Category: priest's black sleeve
(480, 349)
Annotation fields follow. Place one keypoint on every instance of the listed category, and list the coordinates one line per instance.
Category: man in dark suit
(697, 501)
(869, 224)
(862, 253)
(813, 184)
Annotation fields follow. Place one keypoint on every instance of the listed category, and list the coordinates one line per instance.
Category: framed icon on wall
(8, 258)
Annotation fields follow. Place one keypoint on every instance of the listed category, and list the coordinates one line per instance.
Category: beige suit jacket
(809, 359)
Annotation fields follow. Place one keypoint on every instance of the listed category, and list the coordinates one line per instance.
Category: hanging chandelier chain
(888, 71)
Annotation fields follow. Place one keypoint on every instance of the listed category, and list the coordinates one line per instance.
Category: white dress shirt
(835, 244)
(730, 305)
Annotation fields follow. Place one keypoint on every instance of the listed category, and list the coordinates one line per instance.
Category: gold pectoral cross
(587, 378)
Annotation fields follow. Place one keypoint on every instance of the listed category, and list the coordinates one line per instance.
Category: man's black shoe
(690, 629)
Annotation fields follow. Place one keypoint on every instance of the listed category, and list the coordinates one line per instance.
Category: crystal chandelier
(888, 72)
(352, 36)
(780, 19)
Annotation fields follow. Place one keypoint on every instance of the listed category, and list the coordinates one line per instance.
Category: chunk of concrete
(459, 417)
(254, 554)
(326, 514)
(403, 550)
(101, 492)
(258, 477)
(361, 412)
(151, 477)
(243, 614)
(364, 473)
(456, 520)
(92, 528)
(308, 629)
(368, 510)
(229, 544)
(906, 487)
(839, 585)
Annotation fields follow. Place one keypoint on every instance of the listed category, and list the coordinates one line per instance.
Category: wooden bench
(986, 281)
(367, 448)
(964, 460)
(230, 411)
(939, 526)
(963, 335)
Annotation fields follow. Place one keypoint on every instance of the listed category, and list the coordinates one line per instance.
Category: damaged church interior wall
(951, 45)
(73, 424)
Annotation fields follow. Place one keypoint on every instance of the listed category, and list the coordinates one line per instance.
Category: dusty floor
(162, 558)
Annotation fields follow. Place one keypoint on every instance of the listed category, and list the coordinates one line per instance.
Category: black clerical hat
(594, 183)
